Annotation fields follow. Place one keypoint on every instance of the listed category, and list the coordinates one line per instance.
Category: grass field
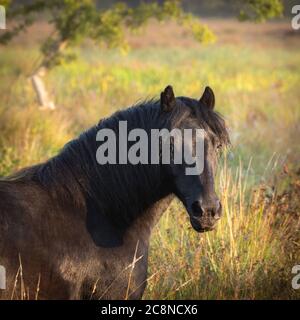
(255, 73)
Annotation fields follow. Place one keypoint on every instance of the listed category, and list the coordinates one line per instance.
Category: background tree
(260, 10)
(73, 21)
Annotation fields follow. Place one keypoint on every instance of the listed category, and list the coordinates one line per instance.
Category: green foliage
(261, 10)
(201, 32)
(75, 21)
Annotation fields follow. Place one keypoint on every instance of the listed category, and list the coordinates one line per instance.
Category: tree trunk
(40, 89)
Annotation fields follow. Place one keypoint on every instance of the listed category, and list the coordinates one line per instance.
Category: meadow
(254, 71)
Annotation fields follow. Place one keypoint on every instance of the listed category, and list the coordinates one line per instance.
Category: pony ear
(103, 232)
(167, 99)
(208, 98)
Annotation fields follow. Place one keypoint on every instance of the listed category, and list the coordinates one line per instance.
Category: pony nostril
(197, 210)
(217, 212)
(208, 212)
(216, 215)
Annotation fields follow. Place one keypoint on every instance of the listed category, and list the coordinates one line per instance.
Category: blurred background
(66, 64)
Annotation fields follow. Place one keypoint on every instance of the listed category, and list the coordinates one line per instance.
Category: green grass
(250, 254)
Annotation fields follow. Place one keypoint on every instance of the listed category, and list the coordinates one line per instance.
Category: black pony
(82, 227)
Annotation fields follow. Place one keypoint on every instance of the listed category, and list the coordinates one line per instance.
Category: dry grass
(255, 72)
(249, 256)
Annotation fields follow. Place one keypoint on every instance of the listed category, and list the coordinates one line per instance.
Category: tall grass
(244, 258)
(256, 243)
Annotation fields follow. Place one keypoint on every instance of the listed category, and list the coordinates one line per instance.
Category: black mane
(74, 176)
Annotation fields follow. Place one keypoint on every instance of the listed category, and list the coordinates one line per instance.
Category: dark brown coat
(72, 228)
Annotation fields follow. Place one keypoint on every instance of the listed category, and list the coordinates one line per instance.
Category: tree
(260, 10)
(73, 21)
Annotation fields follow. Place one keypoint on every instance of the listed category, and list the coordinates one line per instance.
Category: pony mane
(73, 176)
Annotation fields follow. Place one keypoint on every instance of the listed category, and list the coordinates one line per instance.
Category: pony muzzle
(204, 217)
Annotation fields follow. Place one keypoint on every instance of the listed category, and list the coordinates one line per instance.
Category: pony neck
(126, 191)
(122, 192)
